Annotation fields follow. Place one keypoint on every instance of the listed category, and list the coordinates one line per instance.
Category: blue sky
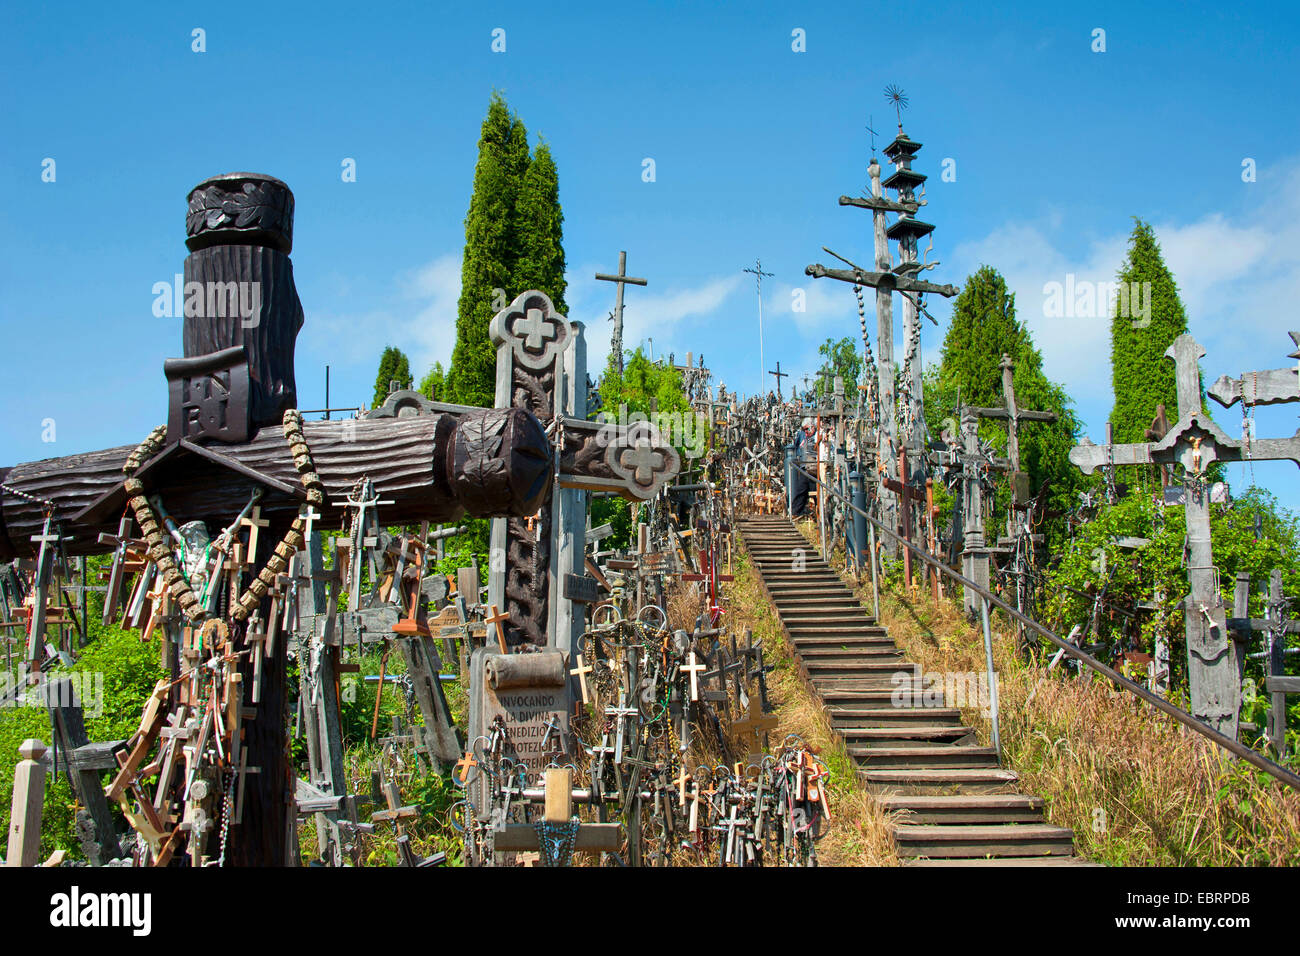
(1056, 148)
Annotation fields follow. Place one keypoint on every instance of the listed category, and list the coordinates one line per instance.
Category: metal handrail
(1223, 740)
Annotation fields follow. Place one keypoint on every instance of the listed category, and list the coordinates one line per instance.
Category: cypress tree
(541, 232)
(491, 250)
(983, 328)
(393, 366)
(1141, 376)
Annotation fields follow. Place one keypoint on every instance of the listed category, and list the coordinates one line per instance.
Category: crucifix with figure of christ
(778, 375)
(1195, 442)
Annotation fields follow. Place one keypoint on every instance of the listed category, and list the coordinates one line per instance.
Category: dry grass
(1137, 788)
(859, 832)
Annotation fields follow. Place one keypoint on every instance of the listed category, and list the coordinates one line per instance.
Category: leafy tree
(434, 385)
(841, 358)
(541, 234)
(1158, 568)
(640, 382)
(983, 328)
(1141, 376)
(393, 366)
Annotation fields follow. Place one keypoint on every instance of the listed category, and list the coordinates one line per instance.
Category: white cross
(694, 668)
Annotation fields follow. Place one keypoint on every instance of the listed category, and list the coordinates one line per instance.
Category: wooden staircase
(953, 804)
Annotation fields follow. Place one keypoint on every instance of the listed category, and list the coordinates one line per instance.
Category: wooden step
(810, 642)
(959, 841)
(918, 780)
(808, 589)
(864, 669)
(790, 612)
(1003, 861)
(965, 808)
(927, 758)
(888, 716)
(799, 602)
(904, 736)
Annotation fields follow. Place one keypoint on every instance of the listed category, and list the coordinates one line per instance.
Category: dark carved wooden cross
(778, 374)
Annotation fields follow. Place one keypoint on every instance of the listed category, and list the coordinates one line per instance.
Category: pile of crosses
(41, 623)
(650, 699)
(221, 545)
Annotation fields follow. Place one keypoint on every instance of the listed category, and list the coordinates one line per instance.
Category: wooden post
(559, 795)
(28, 803)
(67, 723)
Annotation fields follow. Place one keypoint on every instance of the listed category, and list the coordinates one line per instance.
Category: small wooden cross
(310, 516)
(581, 672)
(464, 765)
(496, 618)
(253, 522)
(680, 780)
(693, 668)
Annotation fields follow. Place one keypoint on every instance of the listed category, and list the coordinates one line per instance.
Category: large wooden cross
(887, 279)
(619, 280)
(1013, 415)
(1195, 443)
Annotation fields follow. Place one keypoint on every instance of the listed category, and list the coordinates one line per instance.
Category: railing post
(28, 803)
(789, 479)
(875, 585)
(858, 499)
(992, 678)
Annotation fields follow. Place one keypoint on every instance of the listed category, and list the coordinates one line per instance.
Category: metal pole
(875, 585)
(327, 393)
(789, 479)
(858, 497)
(992, 677)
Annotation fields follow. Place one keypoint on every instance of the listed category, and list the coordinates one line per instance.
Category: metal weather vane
(898, 100)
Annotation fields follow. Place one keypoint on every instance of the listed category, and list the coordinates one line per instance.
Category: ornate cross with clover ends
(542, 367)
(642, 457)
(536, 333)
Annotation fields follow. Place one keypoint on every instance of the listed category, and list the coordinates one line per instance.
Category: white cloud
(1237, 269)
(646, 314)
(431, 332)
(419, 317)
(828, 304)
